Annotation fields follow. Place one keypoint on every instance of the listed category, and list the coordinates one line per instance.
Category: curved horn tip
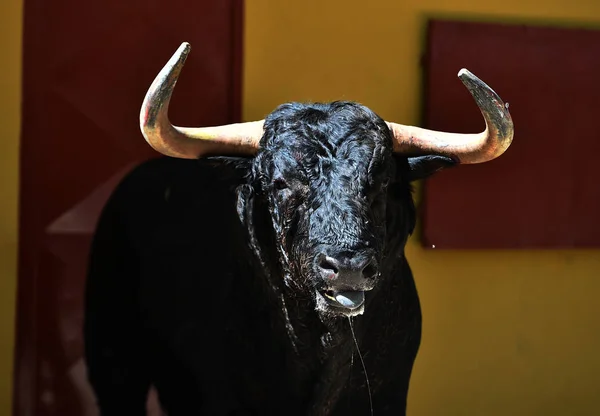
(494, 111)
(184, 48)
(469, 78)
(177, 59)
(181, 53)
(484, 95)
(167, 76)
(465, 73)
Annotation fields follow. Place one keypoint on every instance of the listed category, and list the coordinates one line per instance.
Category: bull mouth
(343, 302)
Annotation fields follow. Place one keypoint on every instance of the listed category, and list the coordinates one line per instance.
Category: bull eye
(378, 206)
(280, 184)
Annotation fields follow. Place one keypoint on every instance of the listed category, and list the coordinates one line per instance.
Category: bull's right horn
(185, 142)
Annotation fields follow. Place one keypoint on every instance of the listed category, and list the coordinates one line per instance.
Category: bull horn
(185, 142)
(464, 148)
(243, 138)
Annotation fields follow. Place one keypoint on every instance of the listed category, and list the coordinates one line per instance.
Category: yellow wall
(10, 94)
(505, 332)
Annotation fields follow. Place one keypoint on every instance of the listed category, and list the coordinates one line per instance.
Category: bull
(260, 268)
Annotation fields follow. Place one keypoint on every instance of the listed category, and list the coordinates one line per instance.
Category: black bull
(234, 284)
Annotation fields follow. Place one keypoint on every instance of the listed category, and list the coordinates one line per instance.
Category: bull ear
(421, 167)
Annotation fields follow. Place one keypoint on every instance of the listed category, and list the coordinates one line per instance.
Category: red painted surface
(544, 191)
(87, 66)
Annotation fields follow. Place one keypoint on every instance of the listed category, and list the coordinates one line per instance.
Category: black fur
(203, 279)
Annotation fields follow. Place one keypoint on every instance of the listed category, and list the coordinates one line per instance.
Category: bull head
(334, 182)
(244, 138)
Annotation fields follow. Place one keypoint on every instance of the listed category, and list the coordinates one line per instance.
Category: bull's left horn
(464, 148)
(185, 142)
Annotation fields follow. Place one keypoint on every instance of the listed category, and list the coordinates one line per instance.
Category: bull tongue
(350, 300)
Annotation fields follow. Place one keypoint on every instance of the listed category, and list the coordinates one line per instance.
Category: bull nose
(349, 271)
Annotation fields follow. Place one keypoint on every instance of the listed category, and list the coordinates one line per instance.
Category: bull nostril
(329, 265)
(349, 270)
(370, 271)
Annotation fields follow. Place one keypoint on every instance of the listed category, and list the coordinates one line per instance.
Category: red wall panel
(544, 192)
(87, 66)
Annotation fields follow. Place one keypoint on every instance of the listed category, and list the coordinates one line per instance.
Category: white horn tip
(464, 72)
(184, 49)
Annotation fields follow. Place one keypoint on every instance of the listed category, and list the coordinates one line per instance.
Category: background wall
(10, 96)
(504, 332)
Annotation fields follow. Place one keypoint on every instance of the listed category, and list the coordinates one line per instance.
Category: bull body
(207, 277)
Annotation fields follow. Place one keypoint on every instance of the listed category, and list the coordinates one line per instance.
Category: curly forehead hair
(318, 133)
